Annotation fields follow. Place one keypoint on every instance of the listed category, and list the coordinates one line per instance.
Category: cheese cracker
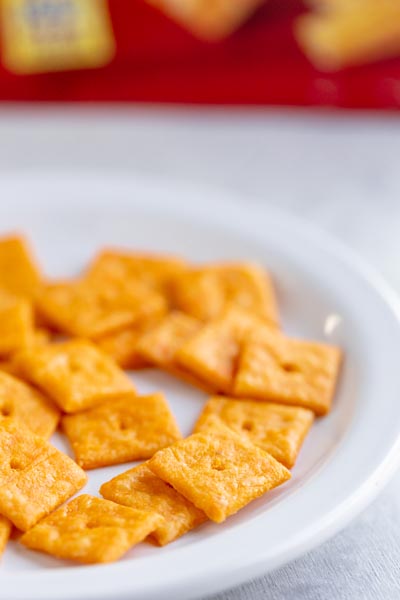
(122, 345)
(35, 477)
(205, 293)
(276, 368)
(218, 473)
(75, 374)
(160, 345)
(126, 429)
(140, 488)
(5, 532)
(212, 354)
(91, 530)
(28, 406)
(92, 308)
(16, 325)
(153, 270)
(19, 274)
(277, 429)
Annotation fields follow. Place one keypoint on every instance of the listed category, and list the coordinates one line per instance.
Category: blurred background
(336, 53)
(284, 102)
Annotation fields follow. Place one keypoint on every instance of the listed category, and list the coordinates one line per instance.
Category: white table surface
(341, 172)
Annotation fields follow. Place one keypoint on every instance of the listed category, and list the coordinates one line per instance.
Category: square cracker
(208, 20)
(18, 271)
(122, 345)
(153, 270)
(212, 354)
(91, 530)
(277, 429)
(276, 368)
(160, 345)
(35, 477)
(92, 308)
(205, 293)
(5, 532)
(219, 472)
(126, 429)
(16, 324)
(140, 488)
(28, 406)
(75, 374)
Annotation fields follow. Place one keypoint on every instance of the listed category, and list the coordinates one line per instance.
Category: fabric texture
(360, 563)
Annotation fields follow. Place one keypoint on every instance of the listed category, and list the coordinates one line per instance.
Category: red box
(261, 64)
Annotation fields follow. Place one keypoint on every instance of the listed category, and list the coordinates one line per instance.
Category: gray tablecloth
(361, 563)
(342, 173)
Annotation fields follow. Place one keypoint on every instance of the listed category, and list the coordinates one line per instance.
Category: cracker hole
(218, 466)
(248, 426)
(290, 368)
(124, 425)
(16, 464)
(91, 525)
(5, 411)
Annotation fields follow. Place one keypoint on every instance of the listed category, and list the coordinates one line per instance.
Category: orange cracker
(75, 374)
(249, 286)
(159, 345)
(11, 367)
(205, 293)
(35, 477)
(18, 272)
(9, 363)
(91, 530)
(154, 270)
(92, 308)
(208, 20)
(28, 406)
(279, 430)
(140, 488)
(212, 354)
(42, 336)
(276, 368)
(126, 429)
(5, 532)
(199, 293)
(16, 324)
(219, 473)
(122, 345)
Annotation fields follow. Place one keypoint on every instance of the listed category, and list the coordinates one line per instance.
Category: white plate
(324, 293)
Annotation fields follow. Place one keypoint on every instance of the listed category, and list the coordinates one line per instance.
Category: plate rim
(323, 530)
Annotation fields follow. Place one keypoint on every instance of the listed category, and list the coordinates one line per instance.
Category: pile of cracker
(65, 347)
